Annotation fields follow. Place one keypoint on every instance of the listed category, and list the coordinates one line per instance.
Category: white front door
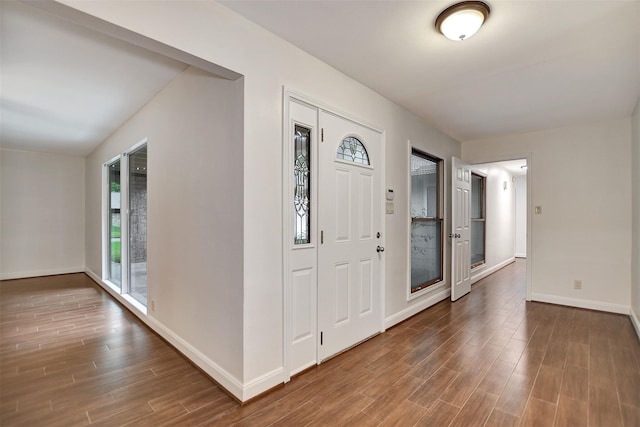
(350, 250)
(460, 229)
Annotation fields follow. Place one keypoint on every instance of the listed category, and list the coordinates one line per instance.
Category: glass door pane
(138, 224)
(114, 273)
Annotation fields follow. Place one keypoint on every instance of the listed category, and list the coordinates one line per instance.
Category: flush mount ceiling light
(462, 20)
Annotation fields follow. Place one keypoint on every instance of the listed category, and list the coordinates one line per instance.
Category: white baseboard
(522, 255)
(582, 303)
(635, 321)
(234, 386)
(417, 308)
(485, 272)
(263, 383)
(38, 273)
(224, 378)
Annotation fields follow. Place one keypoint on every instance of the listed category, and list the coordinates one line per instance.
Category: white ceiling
(534, 65)
(514, 167)
(66, 88)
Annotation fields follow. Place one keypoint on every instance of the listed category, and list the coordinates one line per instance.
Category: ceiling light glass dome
(462, 20)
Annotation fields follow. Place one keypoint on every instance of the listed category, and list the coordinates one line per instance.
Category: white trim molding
(635, 321)
(417, 308)
(39, 273)
(262, 384)
(582, 303)
(482, 273)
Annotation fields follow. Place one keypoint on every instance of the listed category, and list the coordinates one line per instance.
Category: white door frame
(287, 174)
(528, 157)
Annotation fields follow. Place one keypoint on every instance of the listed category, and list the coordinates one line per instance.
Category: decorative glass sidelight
(302, 183)
(352, 150)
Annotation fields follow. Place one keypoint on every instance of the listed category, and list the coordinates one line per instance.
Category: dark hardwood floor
(70, 356)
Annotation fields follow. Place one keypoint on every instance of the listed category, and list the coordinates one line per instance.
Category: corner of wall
(635, 321)
(635, 215)
(225, 379)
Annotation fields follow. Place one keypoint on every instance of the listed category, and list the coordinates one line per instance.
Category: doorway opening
(503, 233)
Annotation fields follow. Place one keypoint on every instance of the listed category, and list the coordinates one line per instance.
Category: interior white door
(350, 251)
(460, 228)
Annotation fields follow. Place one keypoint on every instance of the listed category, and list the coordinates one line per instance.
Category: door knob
(380, 249)
(454, 236)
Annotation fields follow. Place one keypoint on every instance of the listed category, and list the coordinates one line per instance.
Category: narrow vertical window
(114, 269)
(302, 185)
(477, 220)
(426, 220)
(138, 224)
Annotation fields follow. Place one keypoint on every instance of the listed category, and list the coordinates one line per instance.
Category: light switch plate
(389, 207)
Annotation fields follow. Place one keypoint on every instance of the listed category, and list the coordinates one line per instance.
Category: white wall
(521, 216)
(635, 233)
(210, 31)
(195, 221)
(581, 177)
(41, 214)
(499, 219)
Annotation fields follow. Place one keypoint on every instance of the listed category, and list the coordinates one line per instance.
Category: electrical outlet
(577, 284)
(153, 305)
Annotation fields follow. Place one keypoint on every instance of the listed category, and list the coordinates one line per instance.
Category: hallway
(70, 355)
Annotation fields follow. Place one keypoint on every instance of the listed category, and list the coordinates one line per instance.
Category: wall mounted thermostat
(390, 194)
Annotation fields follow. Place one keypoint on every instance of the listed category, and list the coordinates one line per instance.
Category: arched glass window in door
(351, 149)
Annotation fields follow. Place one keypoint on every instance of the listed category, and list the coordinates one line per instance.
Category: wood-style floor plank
(71, 356)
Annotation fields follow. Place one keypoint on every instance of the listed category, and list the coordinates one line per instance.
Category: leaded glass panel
(352, 150)
(302, 185)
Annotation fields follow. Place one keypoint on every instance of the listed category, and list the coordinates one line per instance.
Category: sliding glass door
(125, 238)
(114, 266)
(138, 224)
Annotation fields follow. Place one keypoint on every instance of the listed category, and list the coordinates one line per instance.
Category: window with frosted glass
(353, 150)
(477, 220)
(302, 185)
(114, 267)
(426, 220)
